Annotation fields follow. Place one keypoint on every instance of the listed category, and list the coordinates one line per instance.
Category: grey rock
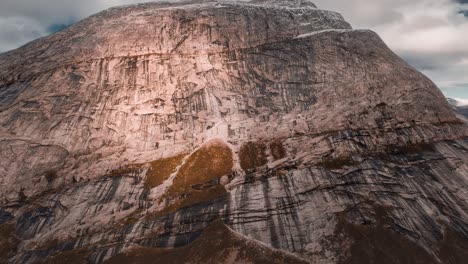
(330, 132)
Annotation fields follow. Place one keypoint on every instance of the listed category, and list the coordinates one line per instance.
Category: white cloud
(461, 102)
(22, 21)
(432, 35)
(18, 30)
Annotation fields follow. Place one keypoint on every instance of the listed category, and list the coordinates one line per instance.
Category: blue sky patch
(456, 92)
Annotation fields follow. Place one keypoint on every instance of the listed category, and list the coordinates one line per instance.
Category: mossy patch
(125, 170)
(410, 149)
(76, 256)
(389, 153)
(198, 178)
(161, 170)
(277, 150)
(453, 248)
(8, 241)
(210, 162)
(252, 155)
(338, 163)
(50, 244)
(377, 243)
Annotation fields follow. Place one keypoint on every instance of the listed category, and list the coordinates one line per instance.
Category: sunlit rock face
(128, 134)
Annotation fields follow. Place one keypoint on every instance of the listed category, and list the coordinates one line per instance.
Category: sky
(432, 35)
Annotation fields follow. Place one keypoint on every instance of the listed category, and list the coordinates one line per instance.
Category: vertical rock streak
(142, 125)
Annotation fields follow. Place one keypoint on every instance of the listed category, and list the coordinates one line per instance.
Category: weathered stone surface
(141, 125)
(224, 247)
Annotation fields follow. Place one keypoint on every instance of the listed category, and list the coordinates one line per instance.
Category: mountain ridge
(139, 127)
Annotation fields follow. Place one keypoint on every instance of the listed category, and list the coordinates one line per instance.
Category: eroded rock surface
(137, 128)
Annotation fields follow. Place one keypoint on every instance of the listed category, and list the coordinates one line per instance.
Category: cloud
(430, 34)
(22, 21)
(15, 30)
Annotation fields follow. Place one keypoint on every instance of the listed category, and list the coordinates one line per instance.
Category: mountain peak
(297, 136)
(194, 3)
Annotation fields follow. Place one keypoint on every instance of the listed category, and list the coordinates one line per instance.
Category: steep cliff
(150, 131)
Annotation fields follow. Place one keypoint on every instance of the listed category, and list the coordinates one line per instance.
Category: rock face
(126, 135)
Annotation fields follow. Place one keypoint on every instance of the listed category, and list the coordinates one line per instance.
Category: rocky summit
(246, 131)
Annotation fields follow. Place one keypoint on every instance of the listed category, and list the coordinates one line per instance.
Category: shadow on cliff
(217, 244)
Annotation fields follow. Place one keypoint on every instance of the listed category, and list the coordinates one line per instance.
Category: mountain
(459, 105)
(226, 132)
